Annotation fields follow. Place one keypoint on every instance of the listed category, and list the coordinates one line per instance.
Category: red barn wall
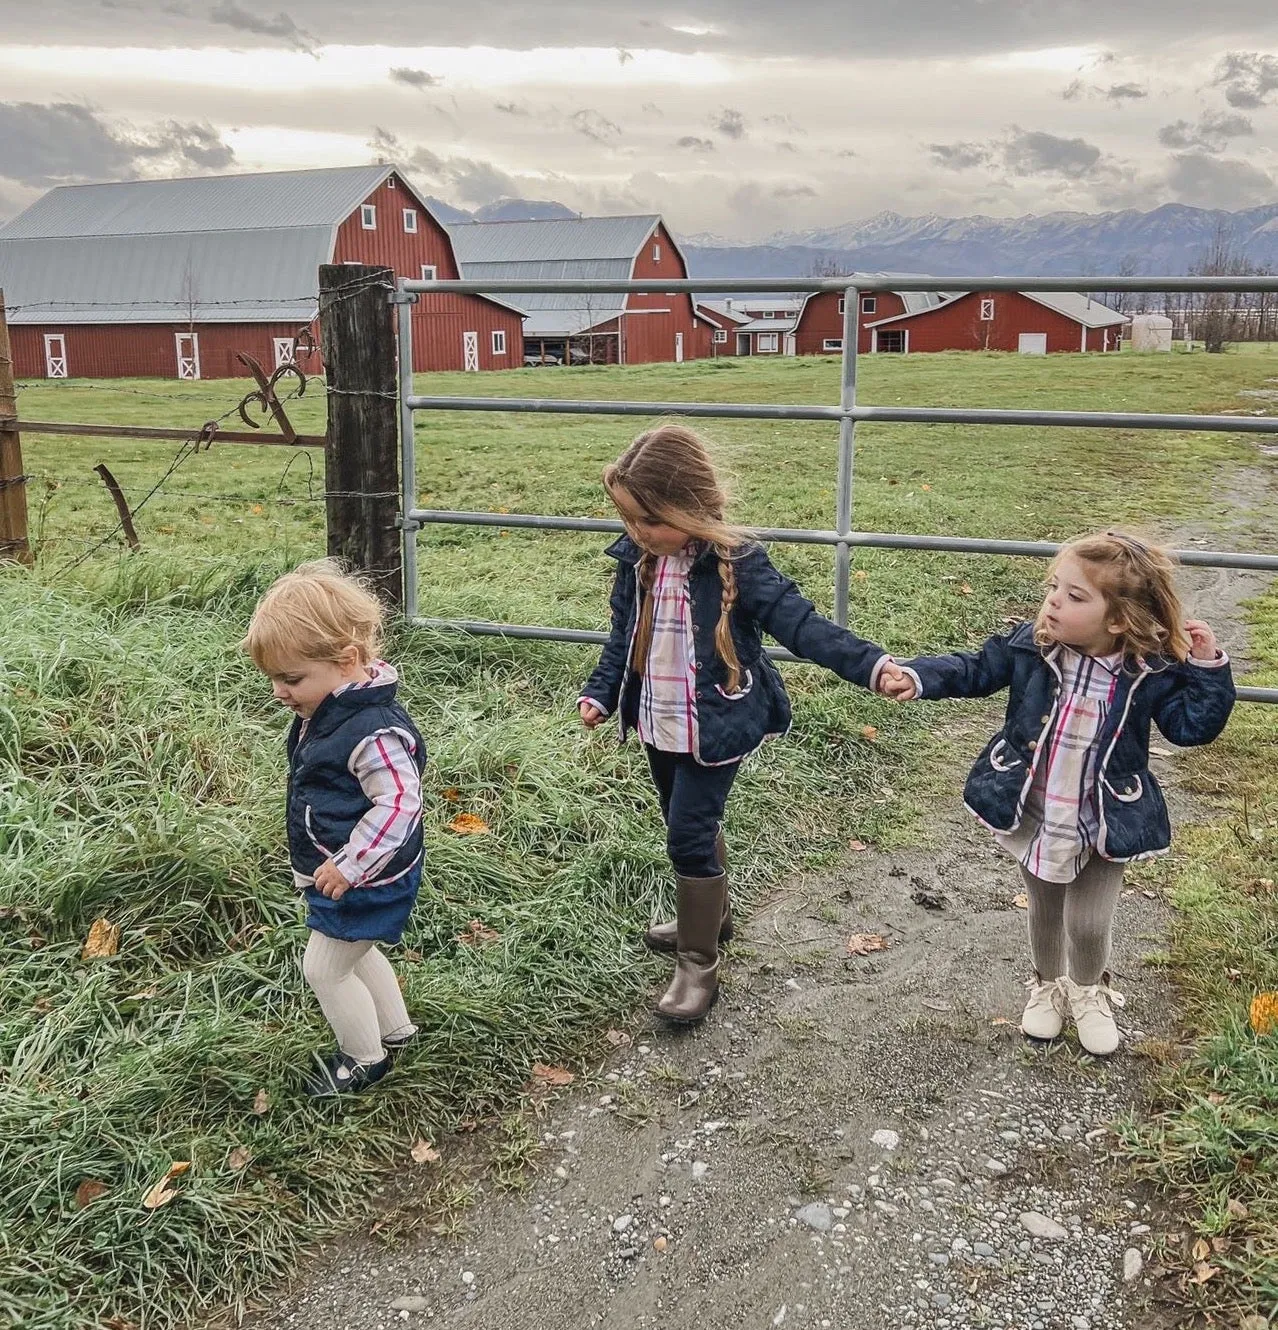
(959, 327)
(821, 319)
(650, 338)
(439, 320)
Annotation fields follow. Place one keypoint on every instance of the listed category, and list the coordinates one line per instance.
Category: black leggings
(692, 803)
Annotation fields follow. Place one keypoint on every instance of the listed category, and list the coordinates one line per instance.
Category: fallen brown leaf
(103, 941)
(618, 1038)
(966, 589)
(477, 934)
(261, 1103)
(1021, 901)
(88, 1192)
(424, 1153)
(551, 1075)
(869, 732)
(239, 1159)
(450, 794)
(857, 845)
(1203, 1272)
(862, 944)
(1201, 1250)
(1236, 1209)
(1001, 1020)
(162, 1193)
(467, 824)
(925, 487)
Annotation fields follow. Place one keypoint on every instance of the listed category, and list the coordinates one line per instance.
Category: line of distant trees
(1217, 319)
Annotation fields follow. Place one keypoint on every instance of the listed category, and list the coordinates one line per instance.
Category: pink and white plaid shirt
(668, 699)
(384, 766)
(1060, 820)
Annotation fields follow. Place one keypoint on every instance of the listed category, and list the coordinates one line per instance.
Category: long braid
(643, 632)
(723, 642)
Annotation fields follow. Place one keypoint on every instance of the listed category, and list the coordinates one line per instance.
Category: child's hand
(894, 683)
(1202, 641)
(590, 714)
(330, 882)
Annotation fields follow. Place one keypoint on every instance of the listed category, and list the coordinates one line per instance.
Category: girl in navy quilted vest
(684, 666)
(1065, 784)
(354, 808)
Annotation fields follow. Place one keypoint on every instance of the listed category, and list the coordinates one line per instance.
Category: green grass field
(141, 765)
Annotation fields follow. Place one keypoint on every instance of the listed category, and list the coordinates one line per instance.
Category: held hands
(1202, 641)
(590, 714)
(330, 882)
(894, 683)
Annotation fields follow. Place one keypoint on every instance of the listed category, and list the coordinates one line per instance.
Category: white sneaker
(1044, 1014)
(1089, 1006)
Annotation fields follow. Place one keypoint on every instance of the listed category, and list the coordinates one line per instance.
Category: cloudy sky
(734, 117)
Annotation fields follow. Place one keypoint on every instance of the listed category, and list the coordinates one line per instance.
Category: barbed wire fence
(110, 507)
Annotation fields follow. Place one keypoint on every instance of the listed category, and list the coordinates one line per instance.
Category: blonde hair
(1137, 581)
(669, 472)
(316, 612)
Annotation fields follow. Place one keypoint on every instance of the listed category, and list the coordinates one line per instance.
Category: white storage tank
(1151, 332)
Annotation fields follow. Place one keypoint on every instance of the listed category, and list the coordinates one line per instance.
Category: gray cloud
(730, 123)
(464, 178)
(1211, 134)
(695, 144)
(741, 27)
(960, 156)
(1117, 93)
(1126, 92)
(414, 78)
(1208, 182)
(510, 108)
(1037, 153)
(595, 126)
(794, 192)
(1248, 78)
(786, 146)
(281, 26)
(67, 142)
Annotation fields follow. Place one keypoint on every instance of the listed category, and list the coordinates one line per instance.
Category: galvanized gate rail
(848, 413)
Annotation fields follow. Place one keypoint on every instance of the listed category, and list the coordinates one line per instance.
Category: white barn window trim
(410, 221)
(832, 344)
(499, 341)
(428, 272)
(721, 335)
(987, 310)
(869, 304)
(368, 216)
(767, 343)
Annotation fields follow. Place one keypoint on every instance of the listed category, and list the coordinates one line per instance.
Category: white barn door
(55, 356)
(188, 355)
(1032, 344)
(285, 350)
(470, 350)
(678, 348)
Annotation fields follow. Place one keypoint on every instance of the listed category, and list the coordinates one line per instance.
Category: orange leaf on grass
(451, 795)
(163, 1191)
(238, 1159)
(1264, 1013)
(103, 941)
(424, 1153)
(858, 846)
(261, 1103)
(547, 1076)
(477, 934)
(88, 1192)
(467, 824)
(870, 732)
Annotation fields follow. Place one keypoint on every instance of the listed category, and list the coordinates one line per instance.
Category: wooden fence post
(361, 457)
(13, 481)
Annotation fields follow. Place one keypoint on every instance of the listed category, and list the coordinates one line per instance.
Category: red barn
(725, 321)
(609, 328)
(819, 330)
(170, 278)
(1031, 322)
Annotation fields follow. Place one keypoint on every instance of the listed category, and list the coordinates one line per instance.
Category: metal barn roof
(221, 249)
(568, 239)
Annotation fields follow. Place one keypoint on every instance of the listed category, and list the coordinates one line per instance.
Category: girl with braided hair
(684, 666)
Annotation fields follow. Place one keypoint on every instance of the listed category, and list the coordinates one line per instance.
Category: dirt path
(857, 1142)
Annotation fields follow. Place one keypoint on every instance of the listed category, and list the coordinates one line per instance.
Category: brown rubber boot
(695, 986)
(664, 937)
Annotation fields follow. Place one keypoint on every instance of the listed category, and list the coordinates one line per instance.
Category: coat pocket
(1132, 792)
(741, 692)
(310, 834)
(998, 758)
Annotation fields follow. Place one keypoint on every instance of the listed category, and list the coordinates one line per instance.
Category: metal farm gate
(847, 414)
